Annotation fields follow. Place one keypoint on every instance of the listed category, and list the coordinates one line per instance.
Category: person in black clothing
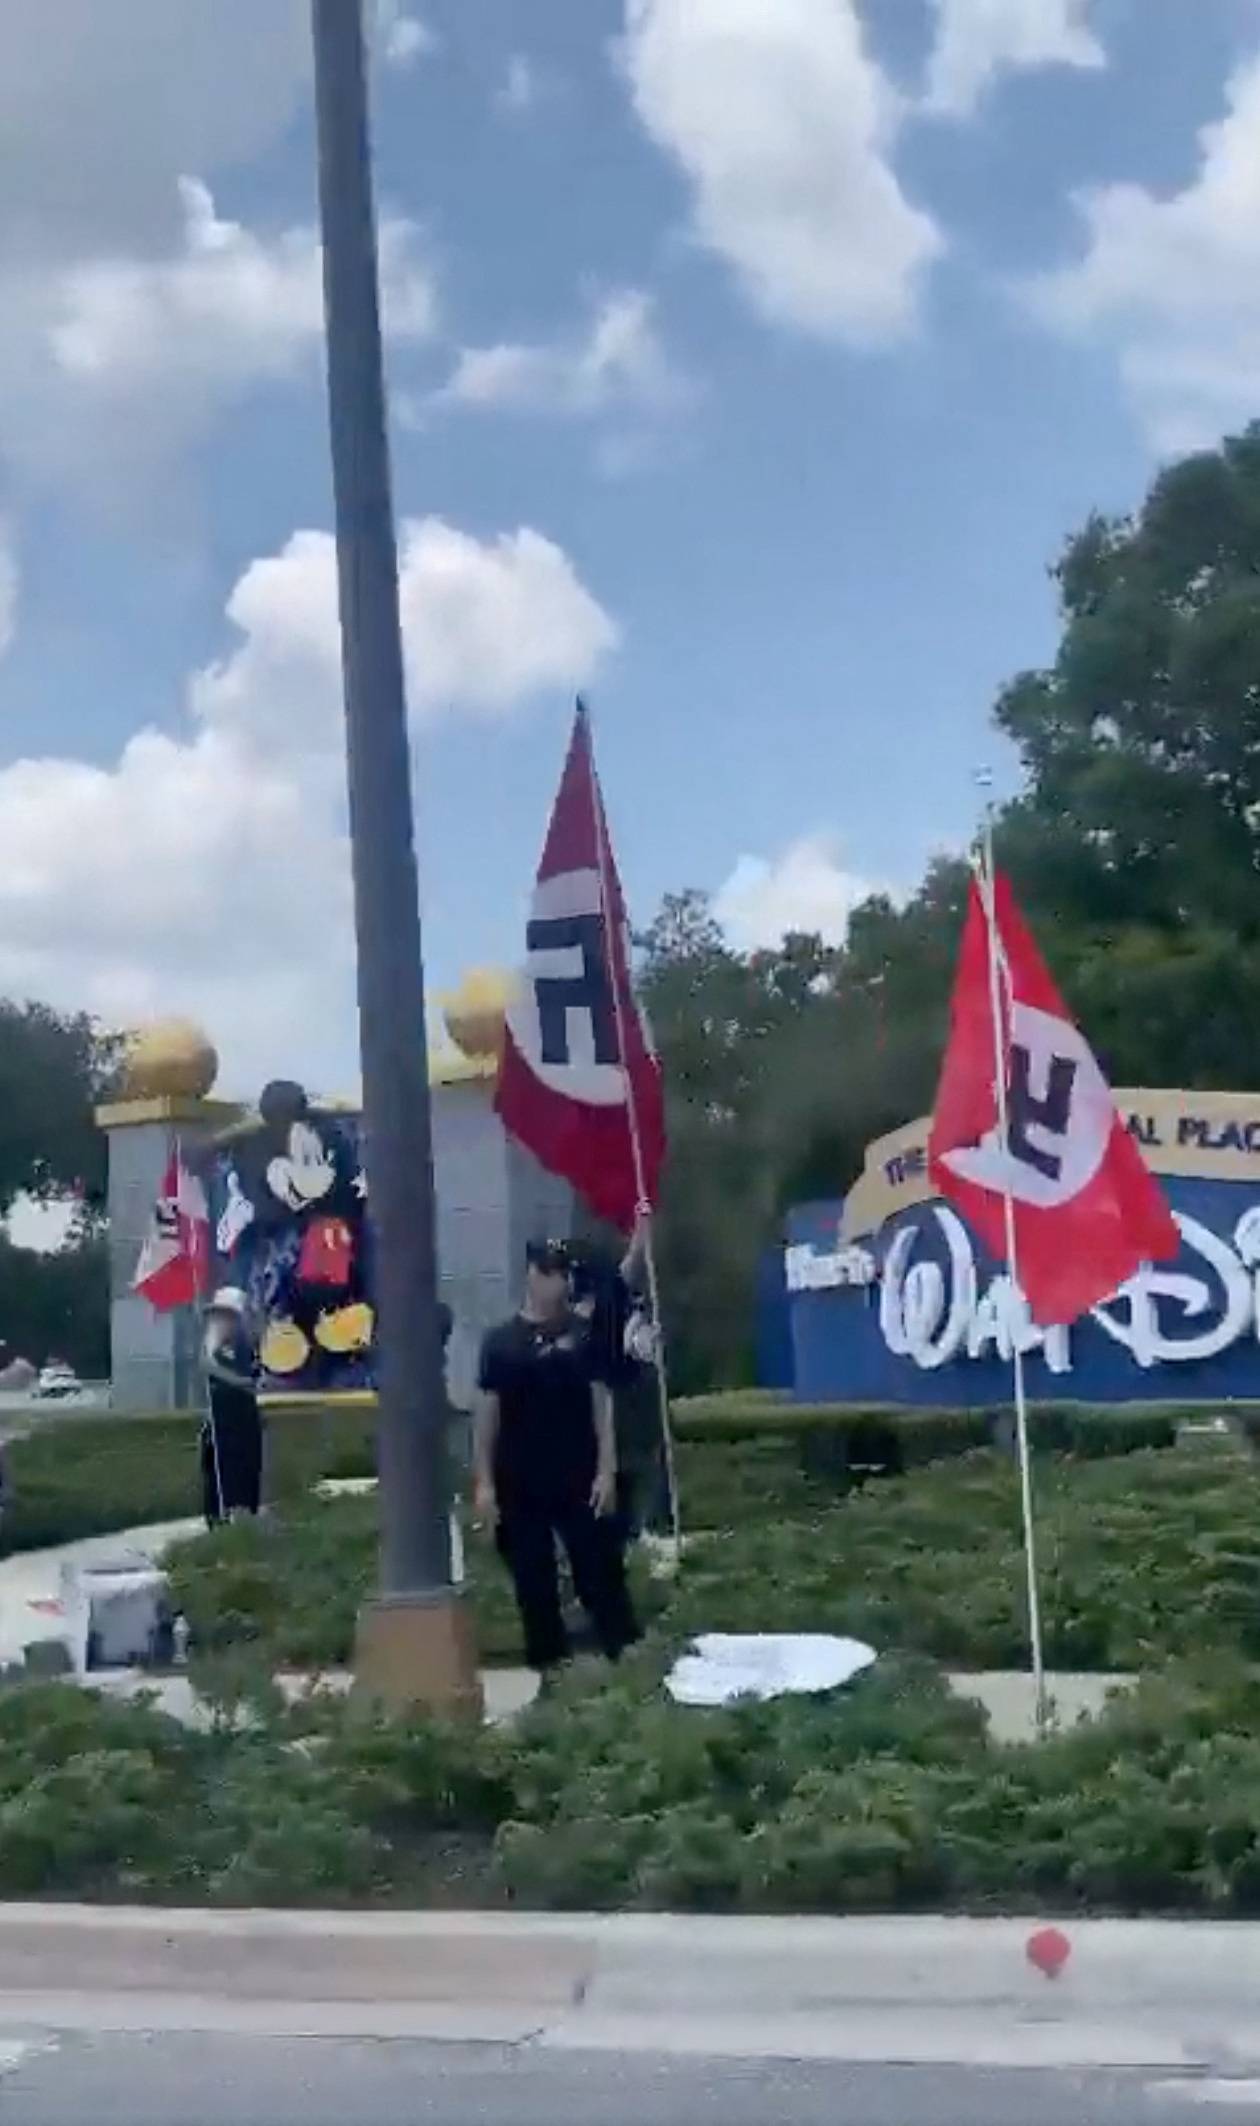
(231, 1435)
(546, 1467)
(610, 1297)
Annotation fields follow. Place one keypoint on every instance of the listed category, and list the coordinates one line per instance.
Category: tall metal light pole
(414, 1642)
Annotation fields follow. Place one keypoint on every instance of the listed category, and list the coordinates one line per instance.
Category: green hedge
(291, 1587)
(854, 1431)
(882, 1797)
(741, 1463)
(75, 1477)
(745, 1455)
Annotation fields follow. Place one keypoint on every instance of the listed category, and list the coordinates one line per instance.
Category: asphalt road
(201, 2081)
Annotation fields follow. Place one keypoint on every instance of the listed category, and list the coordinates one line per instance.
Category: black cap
(550, 1256)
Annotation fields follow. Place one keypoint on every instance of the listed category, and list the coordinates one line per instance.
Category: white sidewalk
(1164, 1997)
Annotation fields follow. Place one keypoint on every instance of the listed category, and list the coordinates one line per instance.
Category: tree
(53, 1072)
(57, 1305)
(1137, 842)
(779, 1067)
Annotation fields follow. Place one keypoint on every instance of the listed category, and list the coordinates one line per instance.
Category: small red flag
(174, 1266)
(1088, 1211)
(579, 1082)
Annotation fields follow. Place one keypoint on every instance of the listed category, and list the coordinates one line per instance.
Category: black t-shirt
(607, 1302)
(543, 1375)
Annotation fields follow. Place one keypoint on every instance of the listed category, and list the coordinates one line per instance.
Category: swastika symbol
(589, 991)
(1051, 1112)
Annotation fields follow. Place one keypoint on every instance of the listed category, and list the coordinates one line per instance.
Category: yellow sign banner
(1198, 1135)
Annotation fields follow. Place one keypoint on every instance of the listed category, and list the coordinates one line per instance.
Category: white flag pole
(644, 1206)
(1000, 1060)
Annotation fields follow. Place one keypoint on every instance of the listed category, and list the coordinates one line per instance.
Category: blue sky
(751, 359)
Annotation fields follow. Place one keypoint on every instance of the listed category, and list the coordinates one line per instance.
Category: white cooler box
(118, 1613)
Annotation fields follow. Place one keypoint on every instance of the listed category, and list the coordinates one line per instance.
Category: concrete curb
(959, 1992)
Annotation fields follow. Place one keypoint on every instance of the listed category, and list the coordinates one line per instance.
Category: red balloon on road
(1049, 1951)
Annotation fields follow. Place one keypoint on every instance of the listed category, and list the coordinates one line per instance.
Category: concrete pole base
(416, 1653)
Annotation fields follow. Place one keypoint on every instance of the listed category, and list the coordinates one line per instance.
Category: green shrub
(886, 1796)
(1141, 1558)
(723, 1483)
(441, 1774)
(73, 1477)
(292, 1585)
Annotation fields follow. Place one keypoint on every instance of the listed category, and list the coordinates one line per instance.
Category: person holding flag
(231, 1440)
(609, 1294)
(546, 1464)
(579, 1081)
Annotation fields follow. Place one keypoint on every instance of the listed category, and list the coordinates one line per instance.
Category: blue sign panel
(907, 1307)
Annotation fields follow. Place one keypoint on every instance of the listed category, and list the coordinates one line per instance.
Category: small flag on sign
(174, 1266)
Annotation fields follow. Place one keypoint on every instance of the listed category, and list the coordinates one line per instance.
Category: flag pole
(1012, 1261)
(643, 1204)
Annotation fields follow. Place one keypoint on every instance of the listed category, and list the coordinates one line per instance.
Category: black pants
(231, 1465)
(527, 1536)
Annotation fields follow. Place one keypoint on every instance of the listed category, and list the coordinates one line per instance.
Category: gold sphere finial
(475, 1014)
(172, 1059)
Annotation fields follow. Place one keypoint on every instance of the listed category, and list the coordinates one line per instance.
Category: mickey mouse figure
(293, 1220)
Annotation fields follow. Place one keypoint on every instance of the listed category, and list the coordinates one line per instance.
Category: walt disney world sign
(891, 1298)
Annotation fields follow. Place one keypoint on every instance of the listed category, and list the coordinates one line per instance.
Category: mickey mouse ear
(282, 1103)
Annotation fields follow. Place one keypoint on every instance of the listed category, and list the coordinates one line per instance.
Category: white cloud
(226, 300)
(804, 889)
(130, 354)
(979, 40)
(521, 87)
(783, 125)
(1171, 286)
(9, 584)
(490, 624)
(101, 109)
(486, 625)
(406, 38)
(619, 361)
(131, 311)
(207, 871)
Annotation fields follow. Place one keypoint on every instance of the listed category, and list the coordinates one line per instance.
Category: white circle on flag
(566, 994)
(1059, 1121)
